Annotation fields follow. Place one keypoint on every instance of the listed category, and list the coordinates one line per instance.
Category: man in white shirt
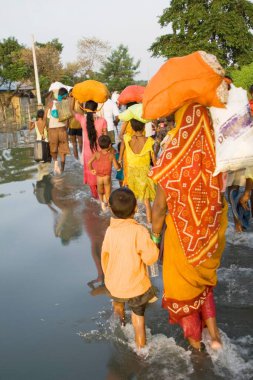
(110, 112)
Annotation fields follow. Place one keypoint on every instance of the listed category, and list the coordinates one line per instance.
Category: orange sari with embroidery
(196, 223)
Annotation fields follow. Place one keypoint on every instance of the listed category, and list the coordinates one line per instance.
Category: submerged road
(56, 319)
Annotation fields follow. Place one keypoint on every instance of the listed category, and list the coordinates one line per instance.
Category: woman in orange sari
(196, 223)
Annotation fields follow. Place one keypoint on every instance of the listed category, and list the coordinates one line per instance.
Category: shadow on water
(59, 265)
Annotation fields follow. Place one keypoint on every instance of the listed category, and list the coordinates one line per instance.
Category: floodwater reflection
(53, 326)
(56, 194)
(71, 215)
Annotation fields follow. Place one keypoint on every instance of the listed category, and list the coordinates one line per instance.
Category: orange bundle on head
(90, 90)
(131, 94)
(196, 78)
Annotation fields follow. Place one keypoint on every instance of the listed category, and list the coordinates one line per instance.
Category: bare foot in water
(216, 345)
(196, 344)
(57, 169)
(104, 206)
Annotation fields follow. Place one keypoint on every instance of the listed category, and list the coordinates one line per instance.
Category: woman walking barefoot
(93, 127)
(196, 224)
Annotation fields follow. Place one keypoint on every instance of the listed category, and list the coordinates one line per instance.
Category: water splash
(162, 355)
(236, 284)
(229, 362)
(161, 358)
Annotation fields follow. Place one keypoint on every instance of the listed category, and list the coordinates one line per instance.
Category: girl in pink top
(100, 165)
(93, 127)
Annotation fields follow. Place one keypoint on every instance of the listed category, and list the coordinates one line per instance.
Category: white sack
(233, 128)
(55, 86)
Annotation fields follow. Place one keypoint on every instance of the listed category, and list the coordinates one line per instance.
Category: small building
(17, 102)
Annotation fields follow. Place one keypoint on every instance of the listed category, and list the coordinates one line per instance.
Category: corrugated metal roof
(14, 85)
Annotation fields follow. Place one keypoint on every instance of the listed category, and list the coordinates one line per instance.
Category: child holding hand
(100, 165)
(127, 249)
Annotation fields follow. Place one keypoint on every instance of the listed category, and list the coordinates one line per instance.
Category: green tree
(220, 27)
(119, 69)
(71, 74)
(243, 77)
(12, 66)
(55, 43)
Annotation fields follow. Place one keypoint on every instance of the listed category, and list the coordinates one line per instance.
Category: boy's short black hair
(40, 114)
(137, 125)
(104, 141)
(122, 202)
(251, 89)
(62, 91)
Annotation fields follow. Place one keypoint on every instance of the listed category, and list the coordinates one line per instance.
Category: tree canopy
(220, 27)
(54, 43)
(12, 66)
(119, 69)
(95, 60)
(243, 77)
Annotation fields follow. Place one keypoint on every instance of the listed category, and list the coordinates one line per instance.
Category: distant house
(15, 102)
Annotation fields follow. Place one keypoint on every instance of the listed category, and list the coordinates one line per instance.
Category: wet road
(56, 320)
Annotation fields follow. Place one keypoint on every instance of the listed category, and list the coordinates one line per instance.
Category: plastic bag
(233, 128)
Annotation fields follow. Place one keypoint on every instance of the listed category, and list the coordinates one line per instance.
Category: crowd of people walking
(166, 160)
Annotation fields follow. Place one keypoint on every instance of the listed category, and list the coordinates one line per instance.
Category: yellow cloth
(138, 159)
(133, 112)
(138, 165)
(196, 224)
(129, 129)
(181, 280)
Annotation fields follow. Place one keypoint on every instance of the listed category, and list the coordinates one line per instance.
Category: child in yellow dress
(139, 153)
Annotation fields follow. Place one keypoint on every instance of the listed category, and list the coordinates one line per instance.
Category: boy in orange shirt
(127, 249)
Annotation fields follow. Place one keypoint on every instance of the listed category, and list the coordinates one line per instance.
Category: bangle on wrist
(156, 239)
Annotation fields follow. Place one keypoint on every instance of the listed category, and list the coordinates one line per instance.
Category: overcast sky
(132, 23)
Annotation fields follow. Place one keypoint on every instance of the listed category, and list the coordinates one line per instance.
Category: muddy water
(56, 319)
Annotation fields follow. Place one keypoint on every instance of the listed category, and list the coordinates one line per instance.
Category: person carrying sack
(41, 146)
(57, 132)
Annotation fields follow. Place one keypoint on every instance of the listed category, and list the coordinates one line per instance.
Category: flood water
(56, 320)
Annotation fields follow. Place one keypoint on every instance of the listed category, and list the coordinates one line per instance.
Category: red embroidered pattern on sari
(185, 171)
(179, 309)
